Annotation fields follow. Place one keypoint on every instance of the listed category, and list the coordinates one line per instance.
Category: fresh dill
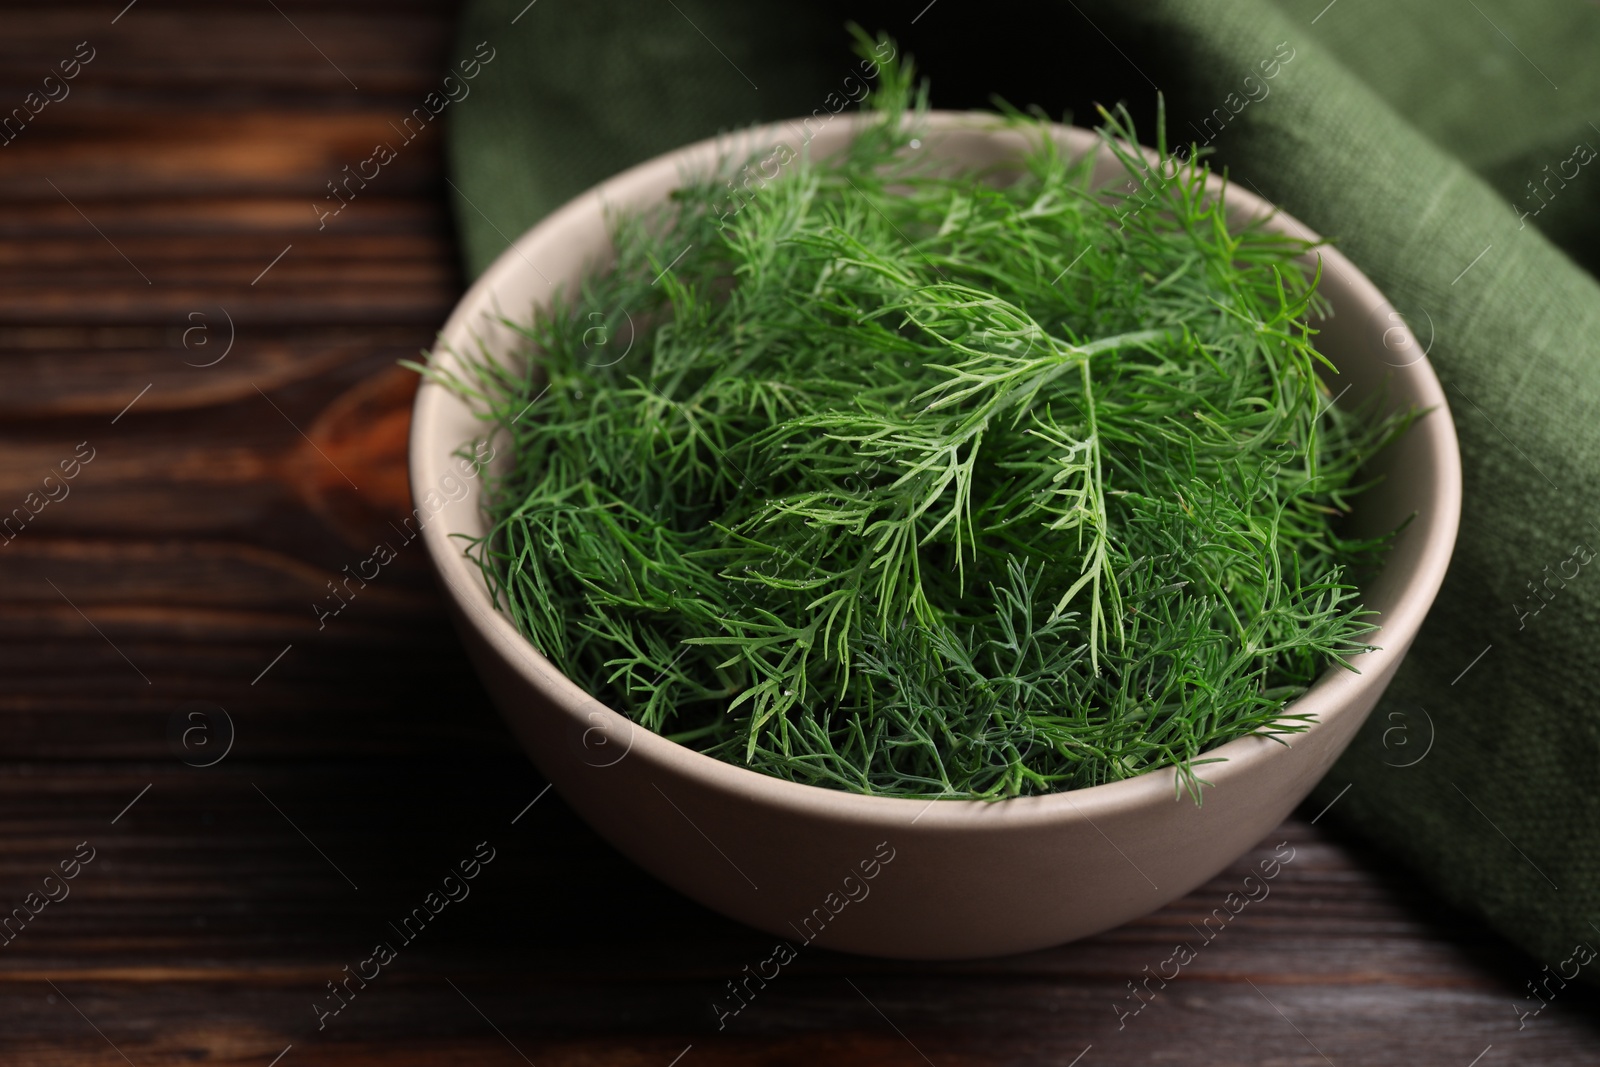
(919, 483)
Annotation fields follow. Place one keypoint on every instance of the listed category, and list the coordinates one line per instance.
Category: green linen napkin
(1448, 147)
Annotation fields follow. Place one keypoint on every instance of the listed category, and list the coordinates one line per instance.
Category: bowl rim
(1336, 691)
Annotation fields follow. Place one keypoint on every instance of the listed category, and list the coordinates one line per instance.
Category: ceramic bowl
(917, 878)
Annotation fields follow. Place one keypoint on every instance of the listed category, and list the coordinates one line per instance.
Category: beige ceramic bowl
(913, 878)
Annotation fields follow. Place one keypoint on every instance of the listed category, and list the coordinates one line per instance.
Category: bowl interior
(1375, 351)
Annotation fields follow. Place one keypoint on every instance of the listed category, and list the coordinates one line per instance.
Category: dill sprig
(920, 483)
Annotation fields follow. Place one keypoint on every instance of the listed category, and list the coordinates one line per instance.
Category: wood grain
(175, 579)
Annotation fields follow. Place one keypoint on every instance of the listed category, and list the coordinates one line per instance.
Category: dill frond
(927, 484)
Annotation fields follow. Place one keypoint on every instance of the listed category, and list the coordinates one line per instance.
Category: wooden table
(262, 797)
